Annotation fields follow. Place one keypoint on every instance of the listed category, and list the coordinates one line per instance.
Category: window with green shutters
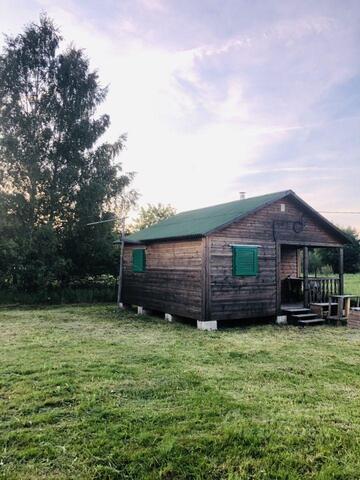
(245, 260)
(138, 260)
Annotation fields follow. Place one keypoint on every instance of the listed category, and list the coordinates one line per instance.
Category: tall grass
(53, 296)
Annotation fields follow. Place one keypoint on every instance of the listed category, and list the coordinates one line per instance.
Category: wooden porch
(319, 289)
(295, 284)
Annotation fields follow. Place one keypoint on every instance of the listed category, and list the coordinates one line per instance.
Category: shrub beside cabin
(239, 260)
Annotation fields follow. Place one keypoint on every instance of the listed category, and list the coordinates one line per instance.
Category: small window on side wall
(245, 260)
(138, 260)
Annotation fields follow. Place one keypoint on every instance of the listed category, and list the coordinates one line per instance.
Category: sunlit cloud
(215, 102)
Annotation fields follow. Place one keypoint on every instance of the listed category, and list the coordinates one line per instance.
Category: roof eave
(327, 222)
(287, 193)
(164, 239)
(128, 241)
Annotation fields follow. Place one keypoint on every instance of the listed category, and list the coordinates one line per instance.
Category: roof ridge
(282, 192)
(201, 221)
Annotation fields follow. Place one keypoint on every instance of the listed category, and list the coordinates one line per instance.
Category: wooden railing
(320, 288)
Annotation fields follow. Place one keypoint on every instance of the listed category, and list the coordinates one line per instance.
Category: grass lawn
(87, 392)
(352, 283)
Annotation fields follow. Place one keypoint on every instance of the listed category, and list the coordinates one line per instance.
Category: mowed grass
(87, 392)
(352, 283)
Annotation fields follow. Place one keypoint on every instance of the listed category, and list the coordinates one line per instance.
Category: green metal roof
(199, 222)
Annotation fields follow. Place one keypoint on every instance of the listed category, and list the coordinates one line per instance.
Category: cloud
(225, 99)
(157, 5)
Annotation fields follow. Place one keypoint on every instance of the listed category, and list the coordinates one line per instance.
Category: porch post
(341, 270)
(306, 275)
(278, 278)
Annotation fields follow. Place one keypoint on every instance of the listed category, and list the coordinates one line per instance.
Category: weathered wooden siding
(289, 261)
(248, 297)
(194, 278)
(240, 297)
(172, 280)
(281, 224)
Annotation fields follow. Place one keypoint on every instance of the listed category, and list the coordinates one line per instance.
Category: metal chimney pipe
(242, 195)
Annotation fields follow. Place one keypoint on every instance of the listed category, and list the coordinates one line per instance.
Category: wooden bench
(343, 309)
(322, 308)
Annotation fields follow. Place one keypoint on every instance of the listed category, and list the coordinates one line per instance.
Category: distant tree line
(149, 215)
(327, 259)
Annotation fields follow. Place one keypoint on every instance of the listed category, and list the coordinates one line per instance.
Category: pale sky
(224, 96)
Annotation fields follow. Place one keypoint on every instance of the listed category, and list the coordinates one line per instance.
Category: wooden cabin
(239, 260)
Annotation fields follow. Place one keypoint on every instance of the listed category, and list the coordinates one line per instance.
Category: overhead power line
(102, 221)
(347, 213)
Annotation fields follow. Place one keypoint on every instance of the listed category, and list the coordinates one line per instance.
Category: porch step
(312, 321)
(335, 318)
(305, 316)
(302, 316)
(323, 304)
(295, 310)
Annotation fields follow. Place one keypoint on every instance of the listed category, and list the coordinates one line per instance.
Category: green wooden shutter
(245, 261)
(138, 260)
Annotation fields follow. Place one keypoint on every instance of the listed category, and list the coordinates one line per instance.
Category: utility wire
(347, 213)
(102, 221)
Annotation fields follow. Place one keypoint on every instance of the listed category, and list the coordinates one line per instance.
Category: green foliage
(150, 215)
(100, 289)
(55, 176)
(110, 395)
(351, 254)
(352, 284)
(315, 262)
